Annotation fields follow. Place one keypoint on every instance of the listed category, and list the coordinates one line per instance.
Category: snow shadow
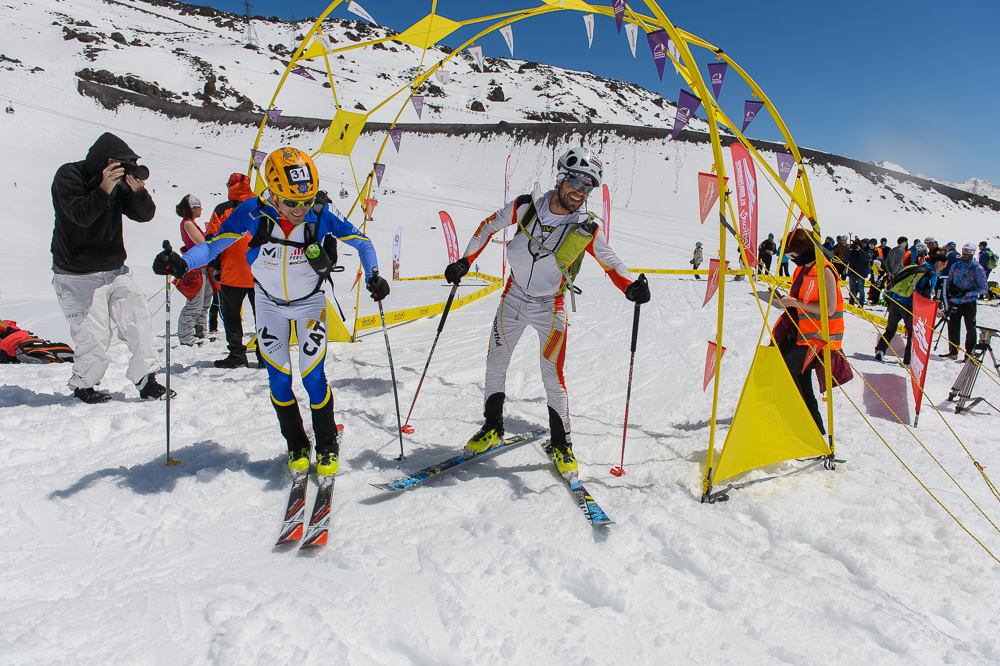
(894, 391)
(16, 396)
(366, 388)
(702, 424)
(204, 460)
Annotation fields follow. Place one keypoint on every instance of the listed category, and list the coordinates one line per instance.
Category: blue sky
(914, 82)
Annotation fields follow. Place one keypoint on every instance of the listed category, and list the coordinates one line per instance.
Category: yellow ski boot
(327, 464)
(298, 461)
(563, 458)
(488, 437)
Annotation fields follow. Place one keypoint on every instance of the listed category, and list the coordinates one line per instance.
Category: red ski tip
(408, 429)
(319, 540)
(340, 428)
(296, 534)
(618, 471)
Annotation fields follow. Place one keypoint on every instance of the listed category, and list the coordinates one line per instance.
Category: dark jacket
(88, 227)
(859, 261)
(766, 249)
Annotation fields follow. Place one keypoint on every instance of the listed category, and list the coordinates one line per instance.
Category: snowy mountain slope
(110, 557)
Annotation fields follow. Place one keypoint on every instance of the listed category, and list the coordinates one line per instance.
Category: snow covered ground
(108, 556)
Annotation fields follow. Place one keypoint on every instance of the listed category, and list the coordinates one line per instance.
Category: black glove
(638, 291)
(456, 271)
(322, 199)
(169, 262)
(378, 287)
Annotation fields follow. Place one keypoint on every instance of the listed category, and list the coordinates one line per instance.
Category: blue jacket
(281, 270)
(966, 281)
(953, 258)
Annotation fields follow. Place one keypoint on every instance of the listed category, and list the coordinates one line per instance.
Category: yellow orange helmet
(291, 174)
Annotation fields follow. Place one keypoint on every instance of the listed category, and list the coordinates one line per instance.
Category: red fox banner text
(450, 237)
(746, 199)
(708, 193)
(713, 280)
(710, 364)
(924, 312)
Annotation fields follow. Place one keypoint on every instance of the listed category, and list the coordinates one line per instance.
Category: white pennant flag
(358, 10)
(508, 36)
(588, 19)
(443, 77)
(633, 32)
(675, 52)
(477, 54)
(325, 42)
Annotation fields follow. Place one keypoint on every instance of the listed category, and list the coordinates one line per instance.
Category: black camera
(137, 171)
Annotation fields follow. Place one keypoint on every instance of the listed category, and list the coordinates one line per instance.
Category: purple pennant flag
(303, 72)
(619, 14)
(258, 157)
(379, 170)
(687, 104)
(658, 45)
(750, 109)
(397, 135)
(273, 115)
(418, 104)
(717, 72)
(786, 162)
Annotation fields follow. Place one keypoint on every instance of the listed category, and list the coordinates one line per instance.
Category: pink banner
(924, 314)
(379, 172)
(397, 136)
(746, 199)
(418, 104)
(708, 193)
(710, 364)
(713, 280)
(607, 213)
(450, 237)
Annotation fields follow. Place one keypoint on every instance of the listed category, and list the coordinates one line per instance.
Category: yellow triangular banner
(344, 131)
(772, 422)
(259, 185)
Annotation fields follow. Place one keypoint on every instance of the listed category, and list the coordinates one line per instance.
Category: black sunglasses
(291, 203)
(579, 184)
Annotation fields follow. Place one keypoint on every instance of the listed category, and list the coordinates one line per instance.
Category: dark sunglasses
(580, 184)
(291, 203)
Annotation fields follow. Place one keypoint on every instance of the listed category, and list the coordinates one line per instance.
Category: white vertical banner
(397, 242)
(632, 30)
(508, 36)
(443, 76)
(675, 52)
(477, 54)
(358, 10)
(588, 20)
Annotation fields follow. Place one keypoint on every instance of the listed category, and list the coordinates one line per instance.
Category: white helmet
(582, 161)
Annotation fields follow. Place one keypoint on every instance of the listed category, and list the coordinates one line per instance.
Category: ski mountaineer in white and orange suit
(291, 254)
(553, 230)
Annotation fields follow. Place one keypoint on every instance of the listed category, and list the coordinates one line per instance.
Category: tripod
(962, 389)
(939, 330)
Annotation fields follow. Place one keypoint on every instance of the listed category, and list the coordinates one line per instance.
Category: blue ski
(433, 470)
(591, 509)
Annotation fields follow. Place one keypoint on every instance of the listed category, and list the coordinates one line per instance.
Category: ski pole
(170, 461)
(392, 371)
(407, 428)
(620, 469)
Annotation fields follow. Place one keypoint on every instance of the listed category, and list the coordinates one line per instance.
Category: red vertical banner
(746, 199)
(450, 237)
(708, 193)
(713, 280)
(370, 209)
(924, 313)
(710, 364)
(607, 213)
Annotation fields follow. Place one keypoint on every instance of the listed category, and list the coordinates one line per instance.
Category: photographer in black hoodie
(94, 286)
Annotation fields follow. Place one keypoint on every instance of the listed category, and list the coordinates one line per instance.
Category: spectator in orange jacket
(237, 281)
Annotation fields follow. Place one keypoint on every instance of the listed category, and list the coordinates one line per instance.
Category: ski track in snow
(111, 557)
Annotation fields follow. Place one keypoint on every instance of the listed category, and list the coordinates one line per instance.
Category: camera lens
(139, 172)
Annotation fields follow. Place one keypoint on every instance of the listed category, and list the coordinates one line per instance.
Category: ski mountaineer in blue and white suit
(289, 287)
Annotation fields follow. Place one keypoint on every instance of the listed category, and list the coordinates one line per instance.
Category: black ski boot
(91, 396)
(559, 448)
(150, 389)
(327, 444)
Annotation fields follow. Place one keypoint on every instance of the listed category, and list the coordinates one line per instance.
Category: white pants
(91, 303)
(194, 314)
(546, 316)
